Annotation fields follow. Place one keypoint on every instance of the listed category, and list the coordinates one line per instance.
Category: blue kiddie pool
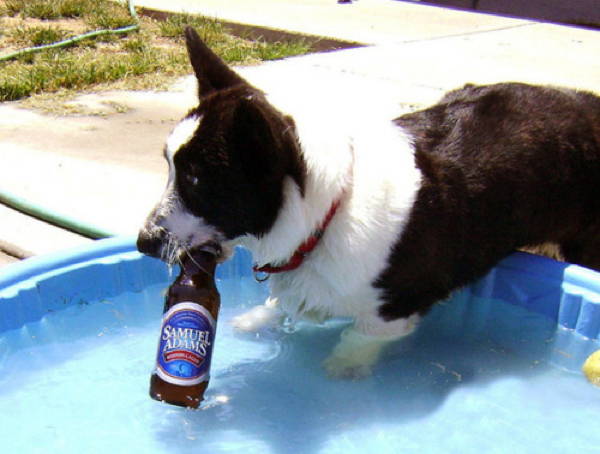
(495, 369)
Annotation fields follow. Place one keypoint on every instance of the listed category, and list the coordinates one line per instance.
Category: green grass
(57, 70)
(209, 29)
(103, 14)
(47, 9)
(144, 59)
(98, 14)
(36, 35)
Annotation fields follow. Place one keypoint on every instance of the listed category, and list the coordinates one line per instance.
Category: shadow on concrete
(584, 13)
(255, 32)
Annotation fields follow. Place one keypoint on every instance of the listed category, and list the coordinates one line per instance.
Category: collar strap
(304, 249)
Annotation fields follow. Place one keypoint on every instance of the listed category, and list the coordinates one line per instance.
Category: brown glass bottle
(188, 332)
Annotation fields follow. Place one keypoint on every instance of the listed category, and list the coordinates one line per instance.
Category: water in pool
(492, 379)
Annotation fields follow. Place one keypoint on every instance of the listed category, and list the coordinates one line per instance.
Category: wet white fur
(369, 165)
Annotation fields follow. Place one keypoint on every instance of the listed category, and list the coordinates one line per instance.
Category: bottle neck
(198, 269)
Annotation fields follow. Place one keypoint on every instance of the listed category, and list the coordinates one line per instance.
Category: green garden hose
(60, 220)
(75, 39)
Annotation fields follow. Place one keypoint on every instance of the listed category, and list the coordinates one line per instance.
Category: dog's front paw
(346, 368)
(354, 356)
(259, 317)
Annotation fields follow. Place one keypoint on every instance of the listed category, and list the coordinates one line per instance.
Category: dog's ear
(212, 72)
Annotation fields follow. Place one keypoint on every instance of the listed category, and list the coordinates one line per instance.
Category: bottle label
(185, 347)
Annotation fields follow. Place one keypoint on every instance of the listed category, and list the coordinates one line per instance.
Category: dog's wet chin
(177, 235)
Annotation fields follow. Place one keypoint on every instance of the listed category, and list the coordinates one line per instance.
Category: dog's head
(228, 159)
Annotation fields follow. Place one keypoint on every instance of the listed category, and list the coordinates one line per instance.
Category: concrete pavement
(108, 170)
(363, 21)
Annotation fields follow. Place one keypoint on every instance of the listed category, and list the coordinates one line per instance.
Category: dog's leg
(585, 250)
(270, 314)
(259, 317)
(361, 344)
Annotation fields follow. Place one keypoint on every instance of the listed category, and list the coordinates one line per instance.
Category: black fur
(241, 153)
(505, 166)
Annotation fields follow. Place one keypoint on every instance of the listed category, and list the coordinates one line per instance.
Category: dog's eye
(193, 180)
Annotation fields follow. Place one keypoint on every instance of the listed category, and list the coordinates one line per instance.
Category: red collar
(303, 250)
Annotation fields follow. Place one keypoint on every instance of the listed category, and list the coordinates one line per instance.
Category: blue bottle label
(185, 347)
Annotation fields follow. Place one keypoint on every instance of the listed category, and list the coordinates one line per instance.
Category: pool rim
(38, 265)
(26, 269)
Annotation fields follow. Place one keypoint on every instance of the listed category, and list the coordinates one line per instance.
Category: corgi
(375, 218)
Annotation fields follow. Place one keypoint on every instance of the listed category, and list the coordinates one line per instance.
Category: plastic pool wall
(495, 368)
(566, 293)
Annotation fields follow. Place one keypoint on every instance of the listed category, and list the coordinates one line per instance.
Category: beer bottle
(188, 331)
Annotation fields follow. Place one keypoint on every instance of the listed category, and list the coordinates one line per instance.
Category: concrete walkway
(363, 21)
(108, 170)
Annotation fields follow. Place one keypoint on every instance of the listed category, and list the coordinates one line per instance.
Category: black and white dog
(377, 219)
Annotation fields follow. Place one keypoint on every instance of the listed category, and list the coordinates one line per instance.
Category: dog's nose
(150, 244)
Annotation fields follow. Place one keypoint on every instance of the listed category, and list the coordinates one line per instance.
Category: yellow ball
(591, 368)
